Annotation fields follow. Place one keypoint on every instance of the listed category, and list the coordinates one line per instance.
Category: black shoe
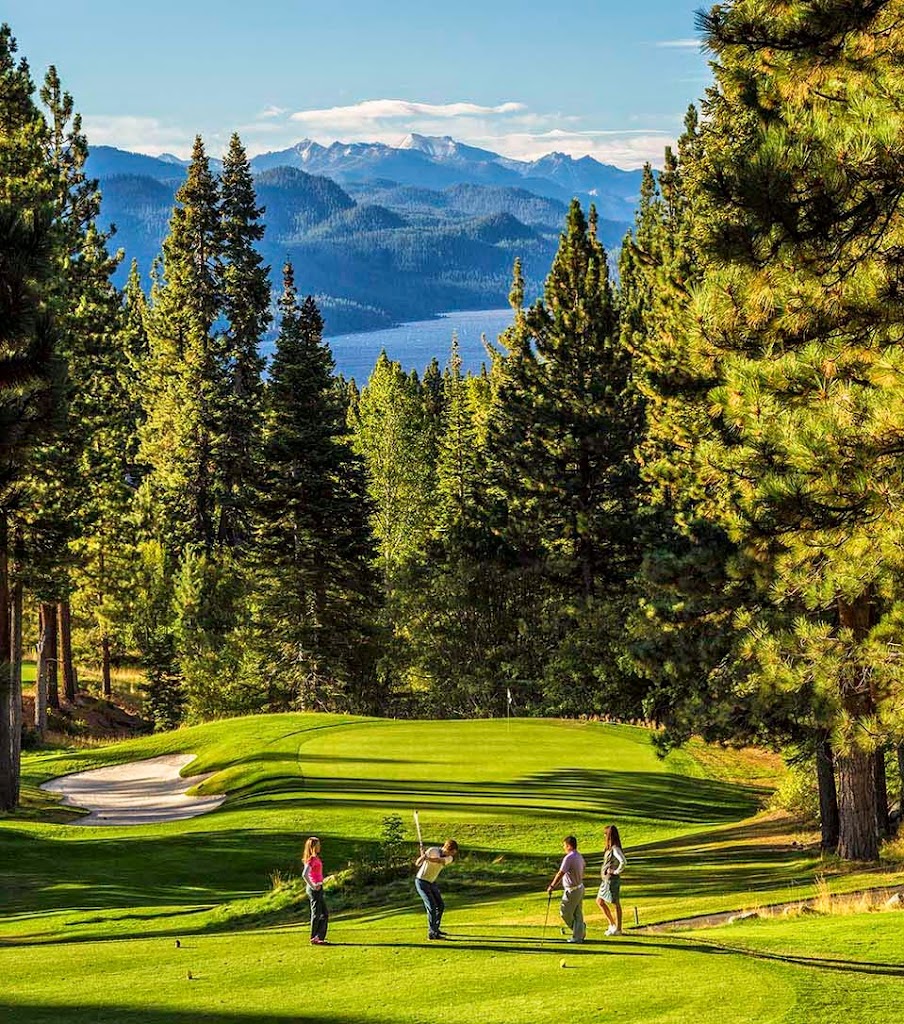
(433, 936)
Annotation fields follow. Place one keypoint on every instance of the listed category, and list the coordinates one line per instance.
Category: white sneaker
(611, 930)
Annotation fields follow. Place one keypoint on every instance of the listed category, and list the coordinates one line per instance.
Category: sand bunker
(138, 793)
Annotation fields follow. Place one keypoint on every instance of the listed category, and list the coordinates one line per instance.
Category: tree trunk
(50, 653)
(828, 796)
(41, 676)
(883, 825)
(857, 837)
(65, 623)
(15, 680)
(8, 765)
(105, 667)
(900, 753)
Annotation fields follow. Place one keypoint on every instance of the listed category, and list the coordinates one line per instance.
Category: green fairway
(92, 914)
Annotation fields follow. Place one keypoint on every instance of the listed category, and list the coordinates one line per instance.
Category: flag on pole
(508, 695)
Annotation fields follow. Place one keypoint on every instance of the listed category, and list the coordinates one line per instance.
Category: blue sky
(607, 77)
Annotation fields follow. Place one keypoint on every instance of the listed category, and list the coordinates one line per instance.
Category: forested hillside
(375, 252)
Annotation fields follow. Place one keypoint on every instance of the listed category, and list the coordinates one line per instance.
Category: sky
(608, 78)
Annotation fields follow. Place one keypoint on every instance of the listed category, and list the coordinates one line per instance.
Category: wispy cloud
(509, 128)
(370, 111)
(139, 134)
(679, 44)
(627, 148)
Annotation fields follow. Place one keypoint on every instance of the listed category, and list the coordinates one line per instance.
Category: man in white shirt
(429, 864)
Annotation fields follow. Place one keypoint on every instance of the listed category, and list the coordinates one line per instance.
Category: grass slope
(92, 914)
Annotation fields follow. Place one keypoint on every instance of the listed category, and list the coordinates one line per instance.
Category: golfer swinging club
(429, 864)
(571, 875)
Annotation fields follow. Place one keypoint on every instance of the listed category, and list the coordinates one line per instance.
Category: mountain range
(383, 234)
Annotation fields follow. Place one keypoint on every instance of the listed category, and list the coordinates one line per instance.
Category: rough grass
(99, 910)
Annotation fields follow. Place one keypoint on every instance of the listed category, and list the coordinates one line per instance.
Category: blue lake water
(415, 344)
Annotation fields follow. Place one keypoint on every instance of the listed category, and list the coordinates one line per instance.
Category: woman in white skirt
(609, 896)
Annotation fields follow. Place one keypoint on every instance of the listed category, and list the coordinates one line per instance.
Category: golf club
(417, 826)
(546, 919)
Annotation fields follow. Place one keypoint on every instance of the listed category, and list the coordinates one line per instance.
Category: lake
(415, 344)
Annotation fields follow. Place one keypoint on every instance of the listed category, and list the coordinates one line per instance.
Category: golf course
(204, 919)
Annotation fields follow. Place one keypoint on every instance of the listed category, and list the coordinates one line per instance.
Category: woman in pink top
(313, 879)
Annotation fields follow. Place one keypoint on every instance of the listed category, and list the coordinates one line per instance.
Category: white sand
(139, 793)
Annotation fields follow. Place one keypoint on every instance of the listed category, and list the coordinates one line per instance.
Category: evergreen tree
(186, 384)
(392, 436)
(110, 410)
(186, 391)
(29, 367)
(246, 307)
(561, 439)
(315, 588)
(799, 230)
(458, 468)
(569, 420)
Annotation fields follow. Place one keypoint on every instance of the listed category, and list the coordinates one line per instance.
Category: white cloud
(509, 128)
(679, 44)
(137, 134)
(370, 112)
(623, 148)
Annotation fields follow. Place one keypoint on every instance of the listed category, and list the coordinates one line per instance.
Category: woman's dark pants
(320, 916)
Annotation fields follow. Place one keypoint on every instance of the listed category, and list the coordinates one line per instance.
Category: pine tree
(85, 306)
(561, 440)
(569, 420)
(799, 311)
(29, 368)
(246, 307)
(459, 459)
(186, 384)
(315, 588)
(186, 388)
(110, 410)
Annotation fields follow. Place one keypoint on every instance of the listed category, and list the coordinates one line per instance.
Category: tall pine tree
(316, 593)
(800, 234)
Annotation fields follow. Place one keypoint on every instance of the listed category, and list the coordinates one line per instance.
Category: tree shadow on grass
(658, 796)
(187, 873)
(32, 1013)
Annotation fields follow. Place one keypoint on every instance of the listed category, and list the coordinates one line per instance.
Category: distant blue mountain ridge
(384, 234)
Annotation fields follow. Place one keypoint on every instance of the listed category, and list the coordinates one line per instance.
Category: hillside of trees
(674, 494)
(376, 254)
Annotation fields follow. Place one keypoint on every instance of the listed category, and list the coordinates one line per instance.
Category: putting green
(93, 915)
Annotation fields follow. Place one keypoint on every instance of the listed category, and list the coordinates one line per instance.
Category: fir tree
(186, 389)
(186, 383)
(568, 419)
(246, 307)
(315, 588)
(110, 410)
